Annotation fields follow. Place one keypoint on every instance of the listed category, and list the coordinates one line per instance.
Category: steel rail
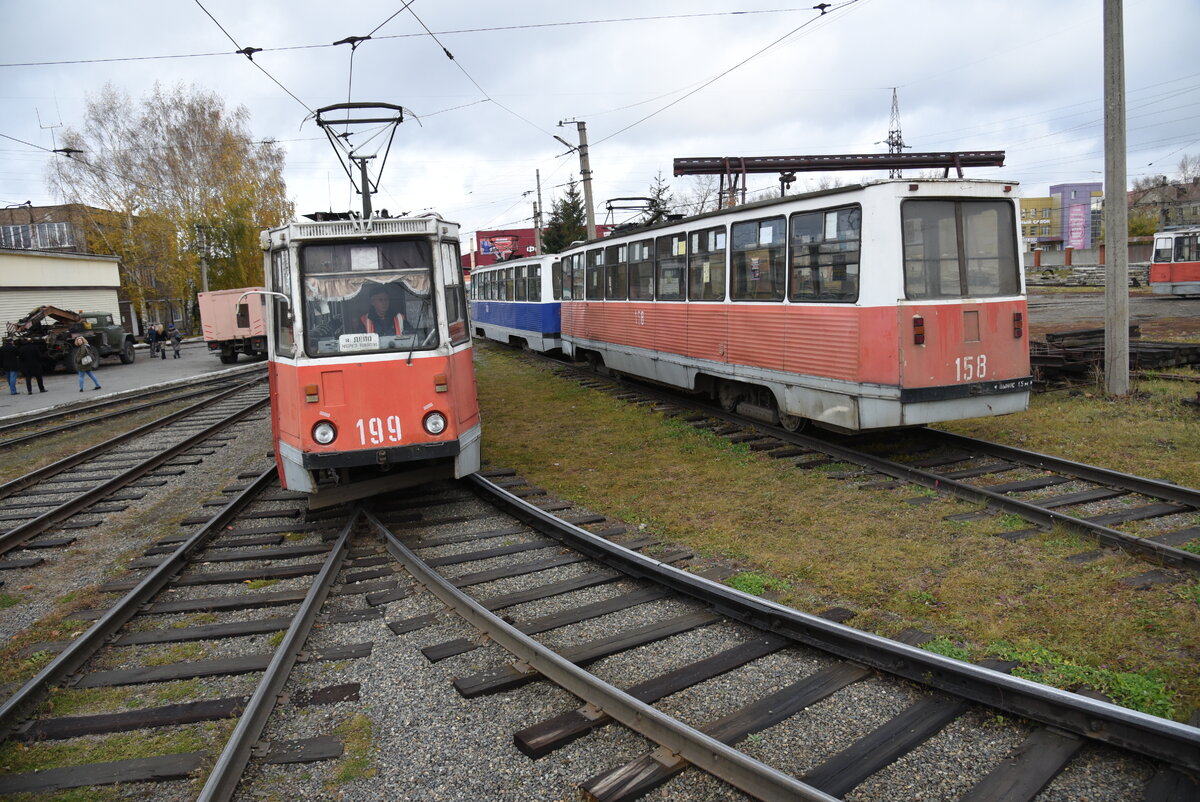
(719, 759)
(1169, 741)
(1158, 552)
(76, 424)
(21, 420)
(35, 476)
(227, 772)
(1091, 473)
(22, 702)
(19, 535)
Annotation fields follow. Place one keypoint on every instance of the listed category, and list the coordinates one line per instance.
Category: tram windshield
(959, 249)
(368, 297)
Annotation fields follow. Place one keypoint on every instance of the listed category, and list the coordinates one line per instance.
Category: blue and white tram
(517, 302)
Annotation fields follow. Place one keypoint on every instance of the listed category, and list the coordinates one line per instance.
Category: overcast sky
(1022, 76)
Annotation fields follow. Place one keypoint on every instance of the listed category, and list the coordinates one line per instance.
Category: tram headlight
(435, 423)
(324, 433)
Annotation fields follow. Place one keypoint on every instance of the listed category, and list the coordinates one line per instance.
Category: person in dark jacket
(10, 363)
(84, 359)
(152, 339)
(30, 357)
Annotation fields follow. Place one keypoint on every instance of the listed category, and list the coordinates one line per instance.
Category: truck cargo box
(231, 328)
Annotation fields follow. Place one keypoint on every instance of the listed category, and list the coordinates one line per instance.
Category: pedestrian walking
(30, 357)
(10, 362)
(176, 338)
(85, 359)
(152, 339)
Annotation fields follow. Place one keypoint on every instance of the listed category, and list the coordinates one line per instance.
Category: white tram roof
(948, 187)
(430, 224)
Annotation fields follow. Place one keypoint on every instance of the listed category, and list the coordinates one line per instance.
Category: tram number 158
(373, 431)
(970, 368)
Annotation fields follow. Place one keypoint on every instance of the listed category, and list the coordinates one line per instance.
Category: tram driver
(379, 317)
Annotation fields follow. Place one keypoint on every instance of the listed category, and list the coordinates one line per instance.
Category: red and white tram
(894, 303)
(372, 380)
(1175, 269)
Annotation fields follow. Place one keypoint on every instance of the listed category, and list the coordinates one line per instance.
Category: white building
(74, 281)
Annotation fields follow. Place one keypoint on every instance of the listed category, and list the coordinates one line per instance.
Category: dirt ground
(1158, 317)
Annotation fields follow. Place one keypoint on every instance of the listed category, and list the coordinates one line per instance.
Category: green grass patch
(1145, 691)
(355, 762)
(947, 648)
(756, 584)
(8, 600)
(256, 584)
(17, 757)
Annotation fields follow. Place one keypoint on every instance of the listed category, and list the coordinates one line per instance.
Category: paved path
(62, 387)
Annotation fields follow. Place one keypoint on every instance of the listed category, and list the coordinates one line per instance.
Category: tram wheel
(792, 423)
(728, 396)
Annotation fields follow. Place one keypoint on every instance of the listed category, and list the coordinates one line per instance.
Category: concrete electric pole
(585, 174)
(1116, 206)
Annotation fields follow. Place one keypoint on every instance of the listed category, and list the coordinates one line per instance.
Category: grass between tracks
(816, 542)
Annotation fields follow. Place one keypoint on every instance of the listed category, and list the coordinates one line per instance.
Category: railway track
(25, 429)
(719, 684)
(100, 479)
(176, 579)
(1042, 490)
(749, 703)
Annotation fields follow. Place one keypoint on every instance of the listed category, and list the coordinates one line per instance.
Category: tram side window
(521, 285)
(534, 282)
(1187, 248)
(509, 295)
(758, 260)
(456, 307)
(616, 272)
(577, 277)
(671, 258)
(959, 249)
(1164, 249)
(825, 248)
(706, 265)
(281, 275)
(595, 275)
(556, 280)
(641, 271)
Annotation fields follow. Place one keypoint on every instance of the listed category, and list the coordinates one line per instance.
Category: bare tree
(178, 177)
(700, 195)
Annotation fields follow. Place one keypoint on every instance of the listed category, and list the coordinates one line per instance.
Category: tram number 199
(373, 431)
(970, 368)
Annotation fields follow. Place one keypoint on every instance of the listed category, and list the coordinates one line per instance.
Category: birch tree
(178, 176)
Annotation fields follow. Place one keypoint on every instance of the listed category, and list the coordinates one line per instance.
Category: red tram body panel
(372, 378)
(890, 304)
(1175, 268)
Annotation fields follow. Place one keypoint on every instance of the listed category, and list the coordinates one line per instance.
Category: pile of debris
(1079, 355)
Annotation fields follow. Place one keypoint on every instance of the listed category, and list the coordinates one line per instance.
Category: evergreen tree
(568, 220)
(660, 201)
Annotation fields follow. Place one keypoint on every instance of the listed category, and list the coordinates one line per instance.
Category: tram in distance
(372, 379)
(518, 302)
(893, 303)
(1175, 267)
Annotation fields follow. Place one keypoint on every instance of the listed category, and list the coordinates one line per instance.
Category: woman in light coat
(84, 359)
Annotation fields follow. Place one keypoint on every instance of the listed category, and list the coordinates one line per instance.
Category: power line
(823, 8)
(249, 52)
(493, 29)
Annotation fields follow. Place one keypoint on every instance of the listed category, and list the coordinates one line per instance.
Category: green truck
(55, 329)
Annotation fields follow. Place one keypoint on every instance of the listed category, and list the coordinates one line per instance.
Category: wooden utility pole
(1116, 206)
